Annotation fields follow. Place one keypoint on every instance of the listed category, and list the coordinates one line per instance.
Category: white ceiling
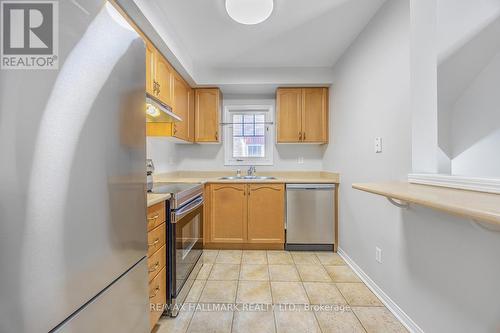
(300, 34)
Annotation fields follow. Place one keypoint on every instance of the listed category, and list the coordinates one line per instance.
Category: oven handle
(187, 209)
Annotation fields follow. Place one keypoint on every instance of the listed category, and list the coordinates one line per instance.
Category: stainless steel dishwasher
(310, 217)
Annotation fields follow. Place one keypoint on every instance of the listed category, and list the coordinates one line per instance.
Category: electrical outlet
(300, 160)
(378, 255)
(378, 145)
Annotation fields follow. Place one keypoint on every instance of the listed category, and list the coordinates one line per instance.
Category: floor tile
(204, 271)
(224, 272)
(219, 292)
(254, 292)
(330, 258)
(304, 258)
(339, 322)
(296, 321)
(313, 273)
(285, 273)
(254, 321)
(209, 256)
(178, 324)
(254, 273)
(379, 320)
(323, 293)
(358, 294)
(254, 257)
(195, 291)
(288, 293)
(279, 258)
(213, 322)
(229, 257)
(342, 274)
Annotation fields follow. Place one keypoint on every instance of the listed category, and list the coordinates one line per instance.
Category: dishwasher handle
(313, 187)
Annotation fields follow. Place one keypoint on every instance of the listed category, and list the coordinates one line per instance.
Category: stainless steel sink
(247, 177)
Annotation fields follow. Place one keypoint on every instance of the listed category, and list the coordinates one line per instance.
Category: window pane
(248, 137)
(260, 118)
(260, 129)
(237, 118)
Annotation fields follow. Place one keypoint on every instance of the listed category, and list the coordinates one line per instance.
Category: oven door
(186, 243)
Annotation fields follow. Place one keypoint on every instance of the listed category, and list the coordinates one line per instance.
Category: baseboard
(386, 300)
(465, 183)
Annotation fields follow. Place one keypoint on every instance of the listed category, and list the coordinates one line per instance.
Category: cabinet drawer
(156, 215)
(156, 262)
(156, 239)
(157, 297)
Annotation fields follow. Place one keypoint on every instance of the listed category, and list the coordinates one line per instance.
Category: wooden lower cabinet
(157, 261)
(228, 206)
(266, 213)
(157, 297)
(245, 216)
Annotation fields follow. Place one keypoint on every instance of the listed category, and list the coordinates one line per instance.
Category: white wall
(423, 82)
(468, 79)
(440, 270)
(169, 156)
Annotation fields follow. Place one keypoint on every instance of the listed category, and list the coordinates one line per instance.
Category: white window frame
(229, 110)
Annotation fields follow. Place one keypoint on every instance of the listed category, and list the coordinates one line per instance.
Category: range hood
(157, 112)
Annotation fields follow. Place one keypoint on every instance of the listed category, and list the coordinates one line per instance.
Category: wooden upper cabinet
(164, 77)
(288, 116)
(228, 213)
(207, 114)
(302, 115)
(266, 213)
(315, 115)
(150, 68)
(181, 108)
(191, 114)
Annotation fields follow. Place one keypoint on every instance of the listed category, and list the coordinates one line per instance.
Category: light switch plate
(300, 160)
(378, 145)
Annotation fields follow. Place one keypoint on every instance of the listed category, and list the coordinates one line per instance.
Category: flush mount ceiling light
(249, 11)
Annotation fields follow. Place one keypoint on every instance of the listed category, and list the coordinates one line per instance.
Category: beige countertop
(478, 206)
(154, 198)
(304, 177)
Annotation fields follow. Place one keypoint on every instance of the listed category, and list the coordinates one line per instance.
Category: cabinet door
(266, 213)
(207, 114)
(228, 213)
(164, 77)
(315, 115)
(150, 68)
(191, 115)
(288, 115)
(181, 108)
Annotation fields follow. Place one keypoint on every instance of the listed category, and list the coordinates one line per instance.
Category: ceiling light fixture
(249, 11)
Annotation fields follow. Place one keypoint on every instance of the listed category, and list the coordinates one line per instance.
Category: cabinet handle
(304, 136)
(156, 290)
(156, 241)
(175, 129)
(216, 135)
(151, 270)
(300, 136)
(153, 218)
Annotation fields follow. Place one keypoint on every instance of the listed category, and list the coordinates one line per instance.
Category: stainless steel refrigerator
(72, 182)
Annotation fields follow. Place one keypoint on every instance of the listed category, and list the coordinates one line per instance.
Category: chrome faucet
(251, 171)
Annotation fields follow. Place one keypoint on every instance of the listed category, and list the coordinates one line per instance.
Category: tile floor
(277, 292)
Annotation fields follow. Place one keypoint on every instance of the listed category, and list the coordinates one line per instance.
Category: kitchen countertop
(154, 198)
(301, 177)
